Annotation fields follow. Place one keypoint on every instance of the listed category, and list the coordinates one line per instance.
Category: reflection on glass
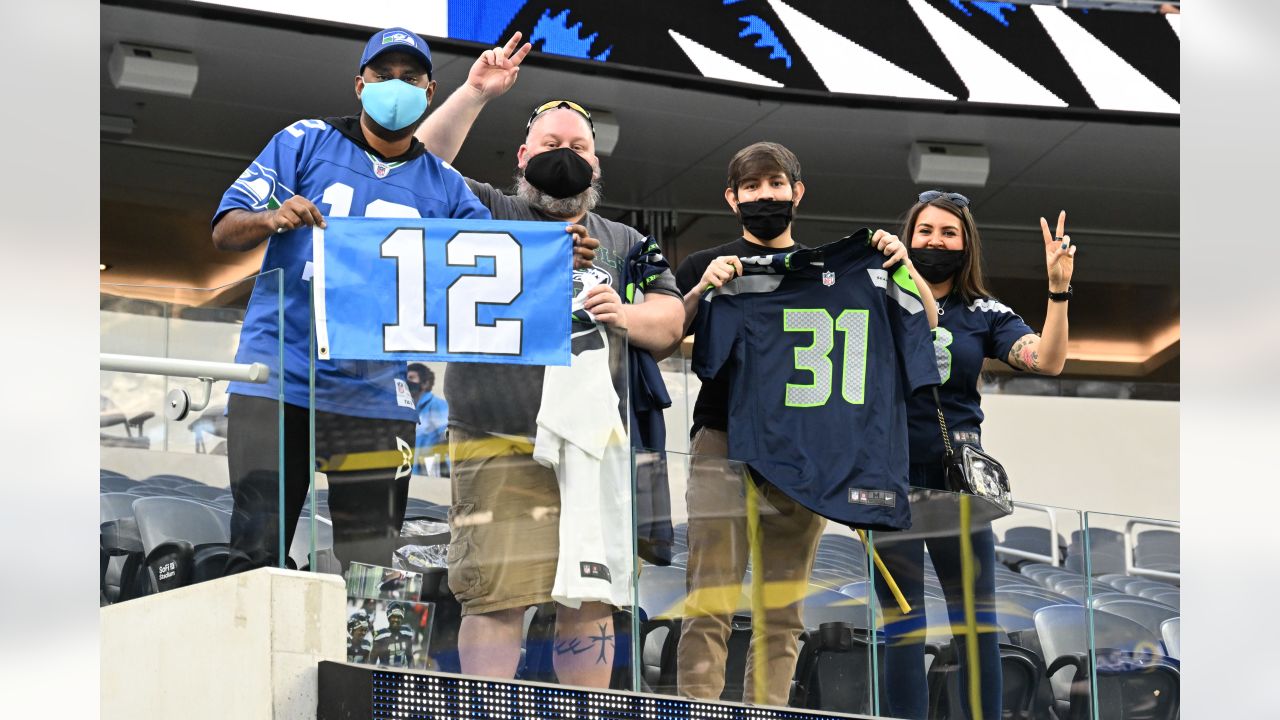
(166, 506)
(762, 601)
(1132, 571)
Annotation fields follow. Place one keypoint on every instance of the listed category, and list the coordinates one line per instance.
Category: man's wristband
(1060, 296)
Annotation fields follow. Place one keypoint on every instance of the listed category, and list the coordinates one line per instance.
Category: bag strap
(942, 422)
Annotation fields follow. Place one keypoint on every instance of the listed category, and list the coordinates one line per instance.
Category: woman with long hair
(972, 325)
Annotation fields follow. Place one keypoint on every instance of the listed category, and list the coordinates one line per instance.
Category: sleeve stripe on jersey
(990, 305)
(747, 284)
(909, 302)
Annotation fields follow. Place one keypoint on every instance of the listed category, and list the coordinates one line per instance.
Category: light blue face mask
(394, 104)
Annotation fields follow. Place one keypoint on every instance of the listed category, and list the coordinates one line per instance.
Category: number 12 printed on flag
(445, 290)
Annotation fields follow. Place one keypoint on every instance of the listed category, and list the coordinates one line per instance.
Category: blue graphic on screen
(506, 298)
(767, 37)
(994, 9)
(560, 38)
(482, 20)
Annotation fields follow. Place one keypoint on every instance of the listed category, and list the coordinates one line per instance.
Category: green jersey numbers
(815, 358)
(941, 351)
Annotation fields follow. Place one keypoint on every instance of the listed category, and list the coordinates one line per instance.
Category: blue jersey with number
(329, 163)
(966, 334)
(822, 347)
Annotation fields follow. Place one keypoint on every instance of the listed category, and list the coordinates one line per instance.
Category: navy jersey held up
(823, 347)
(966, 334)
(329, 163)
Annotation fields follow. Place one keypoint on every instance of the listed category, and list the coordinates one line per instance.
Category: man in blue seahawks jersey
(367, 165)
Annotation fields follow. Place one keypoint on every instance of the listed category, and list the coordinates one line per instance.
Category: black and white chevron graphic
(955, 50)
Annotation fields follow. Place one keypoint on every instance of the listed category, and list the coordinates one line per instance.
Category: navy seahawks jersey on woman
(966, 334)
(329, 163)
(822, 346)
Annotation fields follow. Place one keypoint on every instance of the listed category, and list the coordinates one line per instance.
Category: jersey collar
(350, 127)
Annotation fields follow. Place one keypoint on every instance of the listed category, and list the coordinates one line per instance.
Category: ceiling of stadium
(1118, 182)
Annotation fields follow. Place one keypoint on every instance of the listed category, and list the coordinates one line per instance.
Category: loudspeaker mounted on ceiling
(150, 69)
(948, 165)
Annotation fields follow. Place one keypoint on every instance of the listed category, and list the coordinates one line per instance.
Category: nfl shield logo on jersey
(829, 278)
(381, 169)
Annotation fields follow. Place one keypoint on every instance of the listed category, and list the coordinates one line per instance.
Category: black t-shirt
(712, 407)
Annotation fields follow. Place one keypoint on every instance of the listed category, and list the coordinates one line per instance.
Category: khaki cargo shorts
(504, 524)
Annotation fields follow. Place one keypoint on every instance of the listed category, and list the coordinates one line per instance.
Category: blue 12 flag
(440, 289)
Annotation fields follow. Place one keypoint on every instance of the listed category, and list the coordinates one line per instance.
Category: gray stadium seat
(1144, 612)
(185, 541)
(1133, 674)
(1158, 550)
(1171, 634)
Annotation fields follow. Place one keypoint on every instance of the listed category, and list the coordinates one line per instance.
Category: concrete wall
(239, 647)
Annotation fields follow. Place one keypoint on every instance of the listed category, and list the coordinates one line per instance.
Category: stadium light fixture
(152, 69)
(944, 165)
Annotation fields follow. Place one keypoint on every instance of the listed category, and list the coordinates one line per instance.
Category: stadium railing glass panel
(709, 625)
(497, 470)
(948, 600)
(1132, 566)
(168, 357)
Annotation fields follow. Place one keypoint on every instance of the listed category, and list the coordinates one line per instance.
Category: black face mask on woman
(766, 219)
(936, 264)
(560, 173)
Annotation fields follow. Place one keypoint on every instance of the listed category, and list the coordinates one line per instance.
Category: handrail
(1130, 544)
(1053, 557)
(174, 367)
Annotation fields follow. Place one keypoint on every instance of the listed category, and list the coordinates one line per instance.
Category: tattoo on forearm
(1030, 358)
(576, 646)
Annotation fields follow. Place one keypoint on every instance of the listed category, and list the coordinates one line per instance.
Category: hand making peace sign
(495, 71)
(1059, 254)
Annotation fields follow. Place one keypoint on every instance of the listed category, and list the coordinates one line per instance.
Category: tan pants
(718, 554)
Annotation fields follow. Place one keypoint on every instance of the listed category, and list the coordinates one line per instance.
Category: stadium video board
(946, 51)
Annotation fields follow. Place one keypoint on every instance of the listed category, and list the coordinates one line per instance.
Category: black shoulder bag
(972, 471)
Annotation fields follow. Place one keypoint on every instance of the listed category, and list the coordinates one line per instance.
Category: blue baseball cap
(396, 39)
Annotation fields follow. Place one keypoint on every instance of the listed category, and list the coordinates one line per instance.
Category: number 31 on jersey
(438, 289)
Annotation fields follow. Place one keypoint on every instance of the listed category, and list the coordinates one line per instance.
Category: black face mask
(560, 173)
(935, 264)
(766, 219)
(414, 387)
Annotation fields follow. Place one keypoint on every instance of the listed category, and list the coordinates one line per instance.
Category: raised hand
(1059, 254)
(495, 71)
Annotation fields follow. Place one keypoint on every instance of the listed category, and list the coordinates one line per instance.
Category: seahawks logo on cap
(398, 37)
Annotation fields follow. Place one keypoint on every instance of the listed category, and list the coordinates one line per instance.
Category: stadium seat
(1024, 695)
(1119, 581)
(1172, 598)
(185, 541)
(120, 548)
(1158, 550)
(1141, 584)
(1106, 552)
(300, 548)
(834, 669)
(1146, 613)
(109, 481)
(202, 492)
(1029, 539)
(169, 481)
(823, 605)
(1149, 592)
(1171, 634)
(1134, 678)
(661, 592)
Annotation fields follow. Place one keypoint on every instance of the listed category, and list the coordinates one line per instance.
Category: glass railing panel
(952, 598)
(710, 625)
(169, 358)
(1133, 570)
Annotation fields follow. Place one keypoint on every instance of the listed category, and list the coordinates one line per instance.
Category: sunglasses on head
(931, 195)
(556, 105)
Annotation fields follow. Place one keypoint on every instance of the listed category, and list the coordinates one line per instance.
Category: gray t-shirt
(496, 398)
